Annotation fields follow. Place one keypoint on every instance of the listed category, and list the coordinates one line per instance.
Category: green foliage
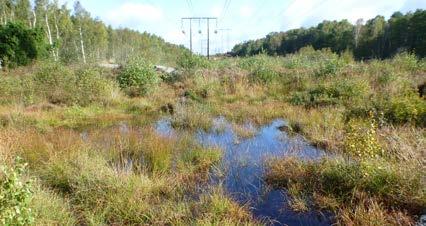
(396, 186)
(409, 108)
(399, 109)
(361, 139)
(61, 85)
(377, 38)
(329, 67)
(15, 195)
(261, 68)
(91, 87)
(17, 89)
(338, 92)
(138, 77)
(20, 45)
(406, 62)
(190, 62)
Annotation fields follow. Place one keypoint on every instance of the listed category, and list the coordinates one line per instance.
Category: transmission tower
(199, 19)
(222, 31)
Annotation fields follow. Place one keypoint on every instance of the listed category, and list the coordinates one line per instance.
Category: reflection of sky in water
(243, 162)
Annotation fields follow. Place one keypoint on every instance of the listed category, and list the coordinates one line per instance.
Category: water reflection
(244, 166)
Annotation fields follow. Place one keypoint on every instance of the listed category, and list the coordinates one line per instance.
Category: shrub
(361, 140)
(15, 195)
(401, 109)
(20, 45)
(61, 85)
(92, 87)
(190, 62)
(406, 61)
(339, 92)
(408, 108)
(261, 68)
(54, 82)
(138, 77)
(329, 66)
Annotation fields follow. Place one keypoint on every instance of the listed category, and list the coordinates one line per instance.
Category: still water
(243, 168)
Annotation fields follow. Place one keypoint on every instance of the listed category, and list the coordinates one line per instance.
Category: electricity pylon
(208, 19)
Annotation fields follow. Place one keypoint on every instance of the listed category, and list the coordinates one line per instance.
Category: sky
(247, 19)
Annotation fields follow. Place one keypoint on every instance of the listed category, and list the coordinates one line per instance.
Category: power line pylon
(223, 30)
(207, 19)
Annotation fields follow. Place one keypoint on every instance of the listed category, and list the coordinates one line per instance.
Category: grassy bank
(93, 157)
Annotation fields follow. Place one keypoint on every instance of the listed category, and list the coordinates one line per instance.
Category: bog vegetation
(78, 144)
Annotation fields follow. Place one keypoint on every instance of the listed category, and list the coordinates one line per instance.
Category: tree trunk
(34, 19)
(82, 47)
(57, 36)
(76, 50)
(49, 36)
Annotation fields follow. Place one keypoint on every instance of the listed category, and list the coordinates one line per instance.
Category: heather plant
(190, 62)
(15, 195)
(138, 77)
(62, 85)
(262, 69)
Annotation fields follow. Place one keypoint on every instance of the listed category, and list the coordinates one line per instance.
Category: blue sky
(248, 19)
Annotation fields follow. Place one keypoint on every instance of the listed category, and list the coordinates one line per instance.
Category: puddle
(243, 165)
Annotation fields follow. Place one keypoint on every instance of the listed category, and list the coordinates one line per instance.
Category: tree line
(50, 30)
(377, 38)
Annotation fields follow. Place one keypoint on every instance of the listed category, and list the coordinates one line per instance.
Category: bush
(408, 108)
(190, 62)
(339, 92)
(138, 77)
(15, 196)
(404, 108)
(361, 139)
(92, 87)
(61, 85)
(20, 45)
(262, 69)
(329, 66)
(406, 62)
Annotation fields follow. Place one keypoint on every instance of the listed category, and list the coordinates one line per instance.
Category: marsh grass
(356, 191)
(81, 184)
(91, 171)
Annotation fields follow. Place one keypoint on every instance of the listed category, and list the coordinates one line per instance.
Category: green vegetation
(80, 129)
(15, 195)
(20, 45)
(345, 186)
(87, 132)
(377, 38)
(138, 78)
(52, 31)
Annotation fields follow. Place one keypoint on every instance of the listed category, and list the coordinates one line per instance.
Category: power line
(190, 6)
(199, 19)
(225, 9)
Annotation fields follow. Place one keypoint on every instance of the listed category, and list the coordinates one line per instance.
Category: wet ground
(243, 166)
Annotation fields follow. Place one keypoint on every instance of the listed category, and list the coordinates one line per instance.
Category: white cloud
(130, 14)
(310, 12)
(175, 36)
(216, 11)
(246, 11)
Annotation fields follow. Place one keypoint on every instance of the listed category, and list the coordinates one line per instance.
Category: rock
(168, 108)
(41, 107)
(422, 90)
(422, 220)
(109, 65)
(164, 69)
(284, 128)
(295, 127)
